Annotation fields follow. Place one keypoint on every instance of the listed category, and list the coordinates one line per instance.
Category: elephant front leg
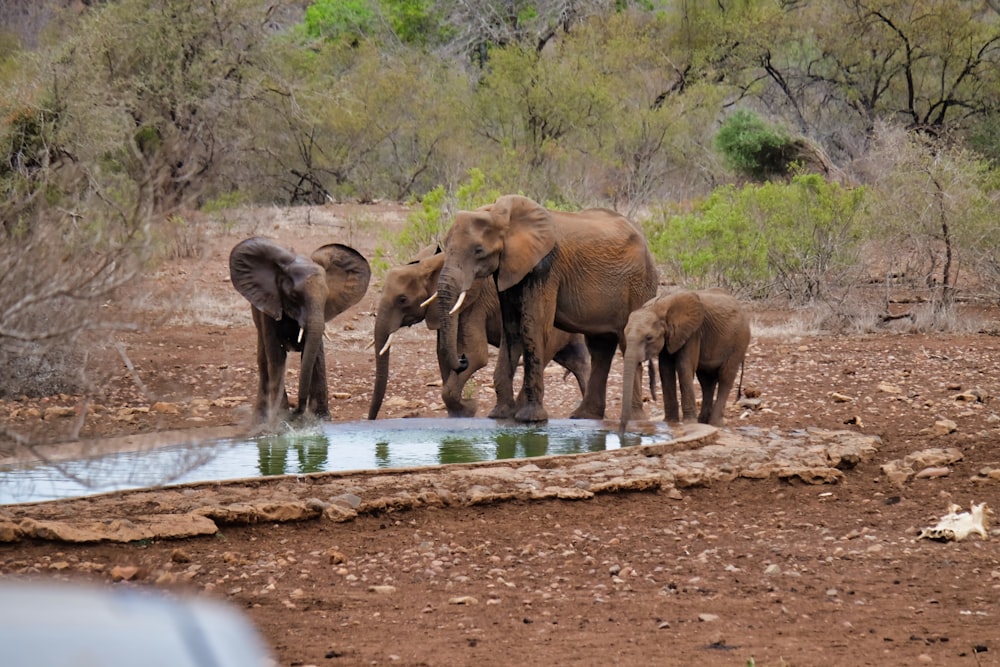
(472, 342)
(686, 361)
(668, 384)
(272, 399)
(602, 352)
(536, 320)
(503, 382)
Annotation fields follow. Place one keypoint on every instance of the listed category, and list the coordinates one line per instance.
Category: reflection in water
(380, 444)
(311, 451)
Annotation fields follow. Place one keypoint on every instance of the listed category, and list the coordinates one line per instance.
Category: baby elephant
(703, 332)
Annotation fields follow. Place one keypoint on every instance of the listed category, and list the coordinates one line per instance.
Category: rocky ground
(805, 555)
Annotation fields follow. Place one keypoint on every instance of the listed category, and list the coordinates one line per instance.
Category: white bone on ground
(958, 526)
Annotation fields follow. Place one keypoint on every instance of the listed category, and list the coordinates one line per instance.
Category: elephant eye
(479, 251)
(402, 298)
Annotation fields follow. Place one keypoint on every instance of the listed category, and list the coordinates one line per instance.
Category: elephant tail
(739, 385)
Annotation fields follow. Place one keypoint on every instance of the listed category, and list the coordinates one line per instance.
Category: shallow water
(366, 445)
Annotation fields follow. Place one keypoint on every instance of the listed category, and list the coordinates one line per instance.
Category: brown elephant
(581, 272)
(406, 298)
(704, 333)
(292, 299)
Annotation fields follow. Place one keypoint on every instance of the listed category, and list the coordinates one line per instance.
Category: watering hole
(331, 447)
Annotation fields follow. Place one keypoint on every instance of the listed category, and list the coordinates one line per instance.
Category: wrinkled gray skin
(581, 272)
(704, 333)
(292, 298)
(406, 289)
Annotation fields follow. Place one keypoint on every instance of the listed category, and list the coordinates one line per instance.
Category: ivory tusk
(302, 332)
(458, 304)
(327, 336)
(370, 344)
(388, 344)
(429, 300)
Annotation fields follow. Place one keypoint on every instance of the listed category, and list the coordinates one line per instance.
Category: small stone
(180, 556)
(382, 590)
(840, 398)
(164, 408)
(708, 618)
(773, 568)
(463, 600)
(933, 473)
(944, 427)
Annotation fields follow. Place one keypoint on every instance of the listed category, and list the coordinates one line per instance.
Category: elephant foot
(465, 408)
(587, 412)
(502, 411)
(531, 412)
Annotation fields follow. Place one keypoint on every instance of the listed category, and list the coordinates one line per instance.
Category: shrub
(800, 239)
(754, 148)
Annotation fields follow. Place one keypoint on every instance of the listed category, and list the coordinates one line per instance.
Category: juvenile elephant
(704, 332)
(406, 300)
(582, 272)
(292, 299)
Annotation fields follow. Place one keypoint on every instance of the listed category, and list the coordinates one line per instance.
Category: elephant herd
(540, 285)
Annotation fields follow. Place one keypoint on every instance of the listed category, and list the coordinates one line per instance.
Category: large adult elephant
(406, 298)
(582, 272)
(704, 333)
(292, 299)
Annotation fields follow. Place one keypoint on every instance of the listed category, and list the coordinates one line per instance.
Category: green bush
(800, 240)
(754, 148)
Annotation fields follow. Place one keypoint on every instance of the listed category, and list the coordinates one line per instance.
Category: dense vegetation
(801, 149)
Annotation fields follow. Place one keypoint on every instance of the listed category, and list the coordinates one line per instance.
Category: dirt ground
(763, 572)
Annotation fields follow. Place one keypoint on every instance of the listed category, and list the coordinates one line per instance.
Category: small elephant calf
(704, 333)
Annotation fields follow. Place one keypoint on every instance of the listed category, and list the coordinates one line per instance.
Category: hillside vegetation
(829, 153)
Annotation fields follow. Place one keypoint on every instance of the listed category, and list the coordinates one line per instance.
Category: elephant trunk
(448, 296)
(632, 361)
(383, 330)
(312, 348)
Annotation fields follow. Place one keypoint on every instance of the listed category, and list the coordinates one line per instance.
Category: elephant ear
(347, 277)
(430, 271)
(255, 267)
(529, 237)
(427, 251)
(683, 313)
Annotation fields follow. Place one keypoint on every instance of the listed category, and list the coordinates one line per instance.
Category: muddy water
(366, 445)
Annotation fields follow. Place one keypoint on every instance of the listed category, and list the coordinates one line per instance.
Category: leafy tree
(937, 210)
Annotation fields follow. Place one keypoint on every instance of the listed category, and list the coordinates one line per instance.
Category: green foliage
(429, 222)
(350, 20)
(753, 147)
(799, 239)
